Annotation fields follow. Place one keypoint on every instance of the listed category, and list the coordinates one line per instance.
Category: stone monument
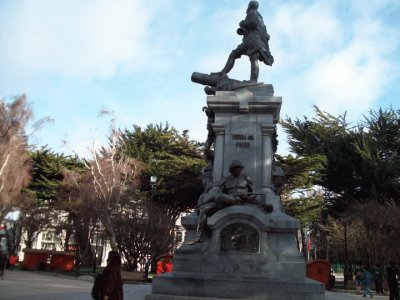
(239, 244)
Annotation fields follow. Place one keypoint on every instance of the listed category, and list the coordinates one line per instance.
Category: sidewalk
(350, 295)
(138, 292)
(21, 285)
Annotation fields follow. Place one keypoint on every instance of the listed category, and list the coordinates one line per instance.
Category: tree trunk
(297, 241)
(303, 242)
(29, 238)
(82, 226)
(110, 232)
(68, 234)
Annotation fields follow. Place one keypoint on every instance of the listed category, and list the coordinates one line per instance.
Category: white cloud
(340, 58)
(350, 80)
(299, 32)
(353, 78)
(322, 60)
(82, 39)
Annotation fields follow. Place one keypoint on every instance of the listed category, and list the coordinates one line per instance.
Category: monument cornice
(218, 129)
(267, 129)
(245, 102)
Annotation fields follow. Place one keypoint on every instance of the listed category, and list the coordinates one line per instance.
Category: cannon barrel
(205, 79)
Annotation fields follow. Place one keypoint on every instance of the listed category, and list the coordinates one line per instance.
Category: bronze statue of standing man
(254, 43)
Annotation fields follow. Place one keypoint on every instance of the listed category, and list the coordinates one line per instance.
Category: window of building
(49, 240)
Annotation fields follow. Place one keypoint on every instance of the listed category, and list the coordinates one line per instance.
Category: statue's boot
(228, 66)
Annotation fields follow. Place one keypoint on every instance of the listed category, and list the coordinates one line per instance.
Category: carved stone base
(202, 287)
(247, 254)
(168, 297)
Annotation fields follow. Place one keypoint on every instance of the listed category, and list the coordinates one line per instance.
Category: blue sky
(73, 58)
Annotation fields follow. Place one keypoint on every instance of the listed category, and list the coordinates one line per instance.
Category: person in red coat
(112, 282)
(12, 260)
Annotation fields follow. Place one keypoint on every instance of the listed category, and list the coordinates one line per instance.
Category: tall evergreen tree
(48, 172)
(331, 138)
(176, 162)
(377, 145)
(362, 161)
(40, 204)
(299, 195)
(173, 158)
(362, 165)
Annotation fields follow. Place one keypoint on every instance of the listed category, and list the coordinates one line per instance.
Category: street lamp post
(153, 181)
(95, 252)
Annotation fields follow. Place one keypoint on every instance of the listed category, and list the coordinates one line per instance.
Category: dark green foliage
(301, 172)
(39, 200)
(377, 144)
(299, 196)
(328, 137)
(362, 162)
(175, 160)
(361, 169)
(147, 224)
(47, 173)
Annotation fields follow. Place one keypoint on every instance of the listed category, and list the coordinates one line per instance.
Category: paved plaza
(19, 285)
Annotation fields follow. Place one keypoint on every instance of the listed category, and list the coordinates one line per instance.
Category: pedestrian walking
(97, 290)
(377, 276)
(146, 269)
(357, 278)
(366, 278)
(112, 281)
(12, 261)
(3, 262)
(392, 273)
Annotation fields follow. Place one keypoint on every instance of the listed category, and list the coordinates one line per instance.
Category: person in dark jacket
(392, 272)
(366, 279)
(357, 278)
(97, 290)
(112, 282)
(3, 261)
(377, 275)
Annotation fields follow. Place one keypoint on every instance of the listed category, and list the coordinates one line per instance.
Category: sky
(134, 58)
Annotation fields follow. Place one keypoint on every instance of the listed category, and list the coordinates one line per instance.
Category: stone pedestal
(246, 253)
(244, 122)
